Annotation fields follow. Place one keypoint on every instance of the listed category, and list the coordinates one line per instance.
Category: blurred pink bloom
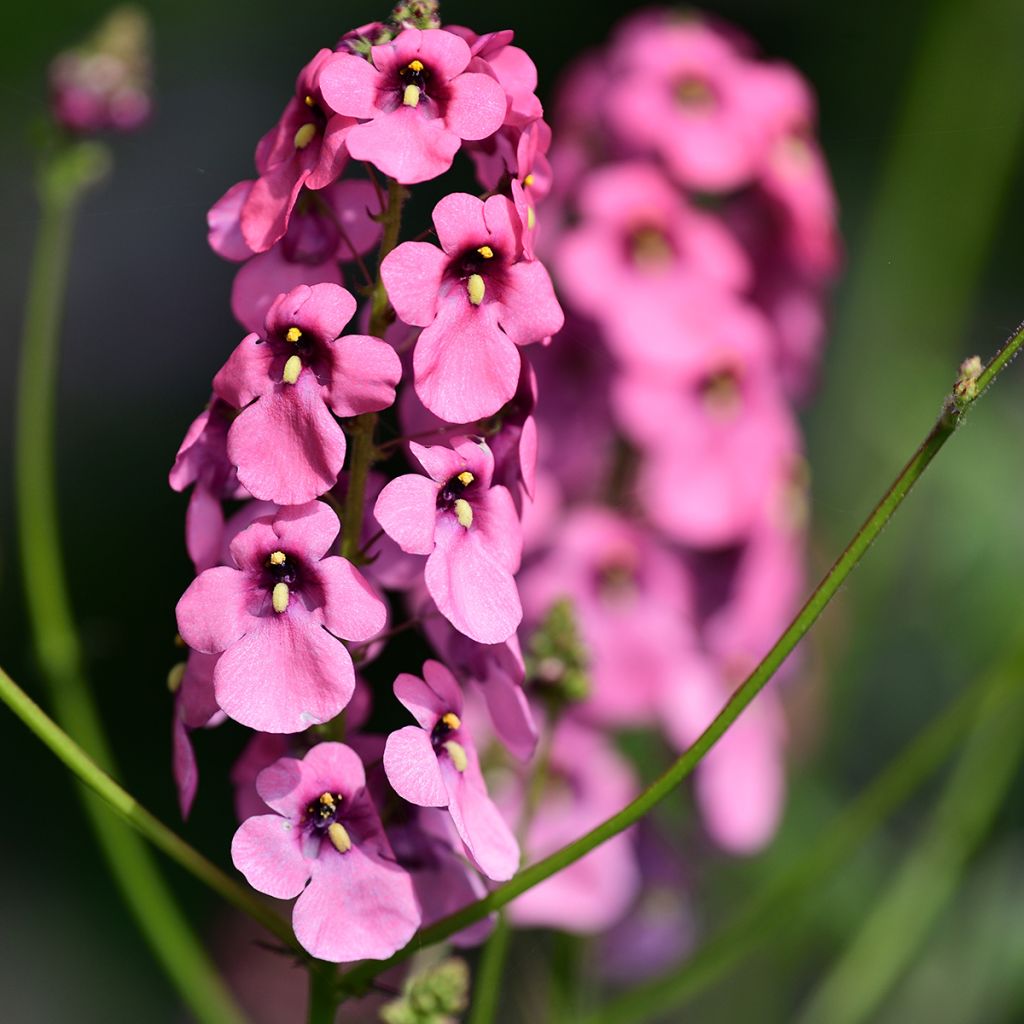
(358, 903)
(415, 102)
(436, 765)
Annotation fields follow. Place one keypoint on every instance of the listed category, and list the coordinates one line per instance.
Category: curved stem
(763, 916)
(63, 180)
(124, 804)
(356, 979)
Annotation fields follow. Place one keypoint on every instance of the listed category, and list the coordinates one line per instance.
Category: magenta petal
(351, 609)
(246, 374)
(266, 850)
(412, 769)
(421, 700)
(459, 222)
(412, 276)
(443, 683)
(511, 715)
(407, 511)
(475, 593)
(348, 84)
(476, 106)
(287, 446)
(266, 210)
(184, 767)
(265, 276)
(204, 528)
(214, 612)
(286, 674)
(364, 373)
(465, 368)
(404, 145)
(359, 906)
(530, 310)
(308, 531)
(480, 825)
(225, 230)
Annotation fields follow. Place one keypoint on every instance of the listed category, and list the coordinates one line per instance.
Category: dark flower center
(448, 723)
(323, 812)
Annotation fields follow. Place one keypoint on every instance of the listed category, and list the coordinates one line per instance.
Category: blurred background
(922, 119)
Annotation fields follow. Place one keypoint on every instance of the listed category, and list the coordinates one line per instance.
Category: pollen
(476, 288)
(293, 334)
(486, 251)
(528, 180)
(277, 558)
(464, 512)
(452, 720)
(327, 800)
(465, 478)
(292, 369)
(415, 65)
(309, 101)
(339, 836)
(279, 597)
(457, 753)
(411, 96)
(304, 136)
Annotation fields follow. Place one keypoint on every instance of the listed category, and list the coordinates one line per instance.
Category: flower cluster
(319, 528)
(692, 234)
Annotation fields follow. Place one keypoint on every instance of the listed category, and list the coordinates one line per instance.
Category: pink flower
(194, 708)
(286, 445)
(358, 903)
(416, 102)
(276, 617)
(436, 765)
(477, 298)
(468, 529)
(305, 148)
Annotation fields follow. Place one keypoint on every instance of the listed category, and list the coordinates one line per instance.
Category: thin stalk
(323, 1004)
(769, 911)
(487, 986)
(63, 180)
(362, 427)
(128, 808)
(900, 920)
(356, 979)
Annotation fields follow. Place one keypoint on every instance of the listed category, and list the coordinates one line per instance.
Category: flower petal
(266, 850)
(412, 769)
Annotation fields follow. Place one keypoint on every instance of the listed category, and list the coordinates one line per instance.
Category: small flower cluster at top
(315, 519)
(104, 83)
(692, 234)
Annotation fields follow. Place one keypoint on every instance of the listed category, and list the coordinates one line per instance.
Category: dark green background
(921, 118)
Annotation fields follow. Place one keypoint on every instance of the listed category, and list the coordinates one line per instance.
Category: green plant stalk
(487, 984)
(362, 427)
(323, 1002)
(901, 918)
(63, 180)
(127, 807)
(762, 918)
(356, 979)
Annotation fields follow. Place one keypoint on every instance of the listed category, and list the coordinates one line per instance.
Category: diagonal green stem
(125, 805)
(356, 979)
(761, 919)
(63, 179)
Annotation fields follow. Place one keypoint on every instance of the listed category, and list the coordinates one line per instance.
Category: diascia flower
(359, 903)
(286, 444)
(477, 297)
(436, 765)
(416, 101)
(468, 529)
(277, 616)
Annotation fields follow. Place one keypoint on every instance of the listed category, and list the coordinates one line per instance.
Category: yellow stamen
(452, 720)
(279, 597)
(465, 478)
(327, 800)
(458, 755)
(277, 557)
(293, 334)
(304, 136)
(178, 642)
(415, 65)
(310, 102)
(531, 218)
(486, 251)
(476, 288)
(339, 837)
(177, 673)
(411, 96)
(292, 369)
(528, 180)
(464, 512)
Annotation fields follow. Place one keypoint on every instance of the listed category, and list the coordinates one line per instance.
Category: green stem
(487, 986)
(356, 979)
(63, 180)
(900, 919)
(362, 427)
(323, 1004)
(125, 805)
(763, 917)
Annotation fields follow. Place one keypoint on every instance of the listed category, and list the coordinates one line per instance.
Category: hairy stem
(63, 180)
(356, 979)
